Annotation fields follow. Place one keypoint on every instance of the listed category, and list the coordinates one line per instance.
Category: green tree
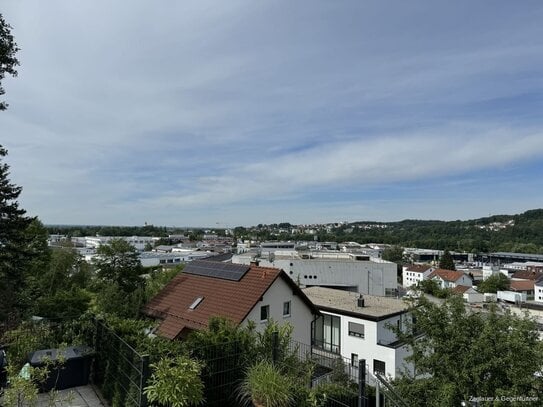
(446, 261)
(463, 354)
(176, 382)
(14, 245)
(118, 262)
(8, 61)
(494, 283)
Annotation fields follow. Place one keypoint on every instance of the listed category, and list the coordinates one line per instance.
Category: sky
(205, 113)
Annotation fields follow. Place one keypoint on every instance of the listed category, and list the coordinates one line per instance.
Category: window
(196, 302)
(379, 366)
(326, 333)
(305, 276)
(356, 330)
(354, 360)
(264, 313)
(286, 309)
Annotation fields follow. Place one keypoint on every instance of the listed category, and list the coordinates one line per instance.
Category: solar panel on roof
(225, 271)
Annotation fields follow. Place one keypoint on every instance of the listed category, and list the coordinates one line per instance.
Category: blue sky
(244, 112)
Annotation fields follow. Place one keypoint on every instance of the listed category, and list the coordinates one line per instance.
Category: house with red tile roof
(240, 293)
(450, 278)
(522, 286)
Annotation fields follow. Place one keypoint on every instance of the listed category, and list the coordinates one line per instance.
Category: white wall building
(450, 278)
(344, 271)
(538, 290)
(360, 332)
(415, 273)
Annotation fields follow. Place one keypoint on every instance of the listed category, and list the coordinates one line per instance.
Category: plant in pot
(265, 386)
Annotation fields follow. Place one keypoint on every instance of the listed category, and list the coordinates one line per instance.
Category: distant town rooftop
(375, 308)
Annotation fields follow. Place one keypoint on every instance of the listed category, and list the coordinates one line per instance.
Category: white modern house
(415, 273)
(344, 271)
(358, 327)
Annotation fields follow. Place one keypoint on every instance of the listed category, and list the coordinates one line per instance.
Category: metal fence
(120, 372)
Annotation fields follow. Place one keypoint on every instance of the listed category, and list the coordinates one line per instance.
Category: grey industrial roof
(375, 307)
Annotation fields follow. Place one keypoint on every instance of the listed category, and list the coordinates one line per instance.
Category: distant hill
(519, 233)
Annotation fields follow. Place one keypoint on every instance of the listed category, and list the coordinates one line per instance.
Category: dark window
(264, 312)
(356, 329)
(326, 333)
(305, 276)
(286, 309)
(379, 366)
(314, 276)
(354, 360)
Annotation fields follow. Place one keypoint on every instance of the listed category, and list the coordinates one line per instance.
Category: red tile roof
(418, 268)
(521, 285)
(527, 275)
(231, 299)
(447, 275)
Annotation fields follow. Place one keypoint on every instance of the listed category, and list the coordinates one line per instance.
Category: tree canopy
(8, 60)
(446, 261)
(494, 283)
(464, 353)
(15, 253)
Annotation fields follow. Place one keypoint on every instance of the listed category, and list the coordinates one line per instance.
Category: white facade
(473, 296)
(538, 291)
(376, 346)
(370, 276)
(413, 277)
(489, 270)
(300, 315)
(463, 280)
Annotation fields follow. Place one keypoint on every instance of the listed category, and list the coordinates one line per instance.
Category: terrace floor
(83, 396)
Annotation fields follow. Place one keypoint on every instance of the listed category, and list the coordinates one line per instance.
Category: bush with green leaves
(266, 386)
(176, 382)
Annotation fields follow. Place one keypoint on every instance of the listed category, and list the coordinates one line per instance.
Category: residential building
(469, 294)
(415, 273)
(523, 286)
(240, 293)
(538, 290)
(358, 327)
(450, 278)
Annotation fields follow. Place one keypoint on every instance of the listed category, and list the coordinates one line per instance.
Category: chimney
(360, 301)
(254, 263)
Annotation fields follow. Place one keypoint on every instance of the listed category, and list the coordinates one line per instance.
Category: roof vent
(360, 301)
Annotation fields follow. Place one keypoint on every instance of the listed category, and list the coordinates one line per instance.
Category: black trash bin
(3, 367)
(72, 372)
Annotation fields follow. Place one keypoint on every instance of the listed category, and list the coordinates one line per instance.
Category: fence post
(275, 346)
(145, 374)
(362, 383)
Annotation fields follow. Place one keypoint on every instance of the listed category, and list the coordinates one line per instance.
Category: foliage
(266, 386)
(118, 263)
(446, 261)
(324, 392)
(494, 283)
(110, 299)
(158, 279)
(8, 60)
(14, 244)
(463, 353)
(176, 382)
(432, 287)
